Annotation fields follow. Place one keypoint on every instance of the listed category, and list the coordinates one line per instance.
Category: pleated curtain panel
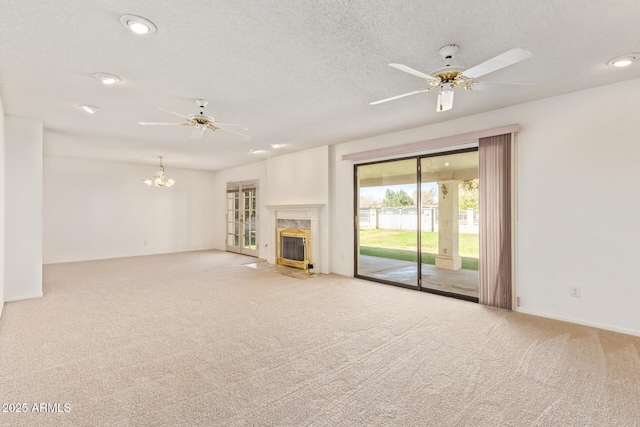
(495, 264)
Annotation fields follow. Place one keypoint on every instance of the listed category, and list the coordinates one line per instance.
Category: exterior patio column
(448, 257)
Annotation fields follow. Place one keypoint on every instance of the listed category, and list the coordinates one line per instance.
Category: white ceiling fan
(449, 77)
(201, 123)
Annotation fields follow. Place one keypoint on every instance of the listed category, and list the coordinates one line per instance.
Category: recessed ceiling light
(107, 78)
(257, 151)
(90, 109)
(138, 24)
(277, 146)
(624, 60)
(446, 163)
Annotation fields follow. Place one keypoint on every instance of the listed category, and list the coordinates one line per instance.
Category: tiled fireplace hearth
(303, 217)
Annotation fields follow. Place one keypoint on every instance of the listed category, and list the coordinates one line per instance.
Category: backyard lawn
(399, 244)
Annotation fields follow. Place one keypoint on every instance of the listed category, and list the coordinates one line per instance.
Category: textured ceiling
(296, 72)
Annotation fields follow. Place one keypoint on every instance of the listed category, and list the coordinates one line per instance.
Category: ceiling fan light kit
(450, 77)
(445, 97)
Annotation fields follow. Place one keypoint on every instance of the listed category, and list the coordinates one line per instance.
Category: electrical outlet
(574, 291)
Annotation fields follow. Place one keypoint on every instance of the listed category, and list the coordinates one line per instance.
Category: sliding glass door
(449, 234)
(387, 225)
(417, 223)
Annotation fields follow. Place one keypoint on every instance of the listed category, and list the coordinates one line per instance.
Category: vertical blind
(495, 264)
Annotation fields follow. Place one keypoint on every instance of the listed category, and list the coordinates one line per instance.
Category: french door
(242, 217)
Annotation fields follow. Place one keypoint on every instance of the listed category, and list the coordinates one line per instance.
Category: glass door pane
(233, 220)
(242, 215)
(387, 222)
(449, 235)
(249, 206)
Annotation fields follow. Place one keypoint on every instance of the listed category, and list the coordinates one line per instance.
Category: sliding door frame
(356, 210)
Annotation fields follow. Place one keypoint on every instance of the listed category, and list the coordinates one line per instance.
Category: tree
(400, 198)
(429, 197)
(469, 195)
(369, 201)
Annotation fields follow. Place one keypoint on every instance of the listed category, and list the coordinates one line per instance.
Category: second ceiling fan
(202, 123)
(449, 77)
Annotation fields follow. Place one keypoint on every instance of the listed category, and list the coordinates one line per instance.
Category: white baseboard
(579, 322)
(21, 297)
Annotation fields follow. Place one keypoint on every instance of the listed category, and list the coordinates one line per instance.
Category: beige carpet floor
(199, 338)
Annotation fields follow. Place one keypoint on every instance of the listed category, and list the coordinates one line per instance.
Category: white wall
(101, 209)
(299, 178)
(577, 204)
(23, 209)
(303, 178)
(2, 205)
(254, 171)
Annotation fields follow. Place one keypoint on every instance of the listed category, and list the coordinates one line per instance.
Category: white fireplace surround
(307, 212)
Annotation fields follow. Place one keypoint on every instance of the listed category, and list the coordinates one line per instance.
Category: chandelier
(159, 179)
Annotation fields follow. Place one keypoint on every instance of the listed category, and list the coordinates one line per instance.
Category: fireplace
(301, 219)
(293, 247)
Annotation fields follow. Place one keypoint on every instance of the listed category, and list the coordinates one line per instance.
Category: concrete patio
(462, 282)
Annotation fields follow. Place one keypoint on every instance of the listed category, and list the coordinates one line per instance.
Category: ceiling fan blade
(177, 114)
(415, 92)
(445, 101)
(198, 132)
(503, 87)
(236, 134)
(413, 72)
(229, 125)
(505, 59)
(161, 124)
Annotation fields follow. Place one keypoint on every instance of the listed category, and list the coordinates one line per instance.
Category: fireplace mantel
(310, 212)
(294, 207)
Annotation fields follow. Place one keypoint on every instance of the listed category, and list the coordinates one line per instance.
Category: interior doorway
(417, 222)
(242, 217)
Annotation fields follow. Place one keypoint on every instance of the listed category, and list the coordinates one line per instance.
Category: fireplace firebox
(293, 247)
